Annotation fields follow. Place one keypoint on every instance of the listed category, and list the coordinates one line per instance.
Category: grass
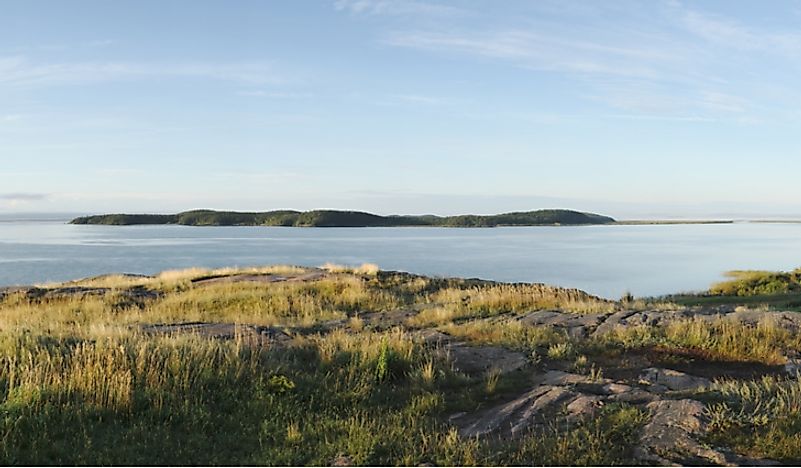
(511, 334)
(80, 384)
(774, 290)
(719, 339)
(753, 283)
(462, 302)
(602, 441)
(784, 301)
(760, 418)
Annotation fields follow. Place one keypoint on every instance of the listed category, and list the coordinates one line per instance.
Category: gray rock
(561, 319)
(583, 406)
(635, 396)
(342, 460)
(669, 438)
(609, 324)
(668, 379)
(515, 417)
(482, 360)
(432, 337)
(388, 319)
(555, 377)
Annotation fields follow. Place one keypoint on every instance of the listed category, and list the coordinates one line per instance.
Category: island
(336, 218)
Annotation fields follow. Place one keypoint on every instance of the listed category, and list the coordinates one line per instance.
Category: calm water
(604, 260)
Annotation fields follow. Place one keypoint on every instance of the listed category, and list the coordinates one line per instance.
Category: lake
(605, 260)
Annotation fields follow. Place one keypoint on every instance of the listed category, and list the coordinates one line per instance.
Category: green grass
(759, 418)
(754, 283)
(751, 288)
(80, 384)
(719, 339)
(784, 301)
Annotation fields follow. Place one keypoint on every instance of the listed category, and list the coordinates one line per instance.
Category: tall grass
(511, 334)
(490, 299)
(455, 303)
(752, 283)
(171, 278)
(80, 384)
(283, 303)
(722, 339)
(759, 418)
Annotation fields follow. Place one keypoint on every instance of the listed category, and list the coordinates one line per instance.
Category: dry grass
(454, 303)
(169, 279)
(79, 385)
(511, 334)
(721, 339)
(368, 269)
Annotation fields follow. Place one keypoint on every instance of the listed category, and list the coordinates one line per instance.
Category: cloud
(394, 7)
(680, 67)
(275, 95)
(16, 197)
(420, 99)
(728, 33)
(23, 196)
(20, 71)
(9, 118)
(542, 52)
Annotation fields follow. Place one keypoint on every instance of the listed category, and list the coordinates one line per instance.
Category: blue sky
(633, 109)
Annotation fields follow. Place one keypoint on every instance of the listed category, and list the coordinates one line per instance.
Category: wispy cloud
(542, 52)
(16, 199)
(21, 71)
(725, 32)
(420, 99)
(275, 94)
(8, 118)
(22, 196)
(394, 7)
(659, 72)
(663, 100)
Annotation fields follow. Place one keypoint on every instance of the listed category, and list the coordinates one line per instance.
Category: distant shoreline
(643, 222)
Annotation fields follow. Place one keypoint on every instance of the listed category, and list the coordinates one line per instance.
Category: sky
(628, 108)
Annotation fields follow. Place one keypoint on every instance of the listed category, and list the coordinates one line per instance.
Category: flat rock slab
(32, 292)
(511, 419)
(656, 318)
(661, 380)
(788, 320)
(250, 334)
(433, 337)
(554, 395)
(388, 319)
(482, 360)
(561, 319)
(577, 325)
(258, 278)
(670, 436)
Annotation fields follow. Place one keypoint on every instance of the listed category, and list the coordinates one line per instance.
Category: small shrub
(492, 381)
(280, 384)
(560, 351)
